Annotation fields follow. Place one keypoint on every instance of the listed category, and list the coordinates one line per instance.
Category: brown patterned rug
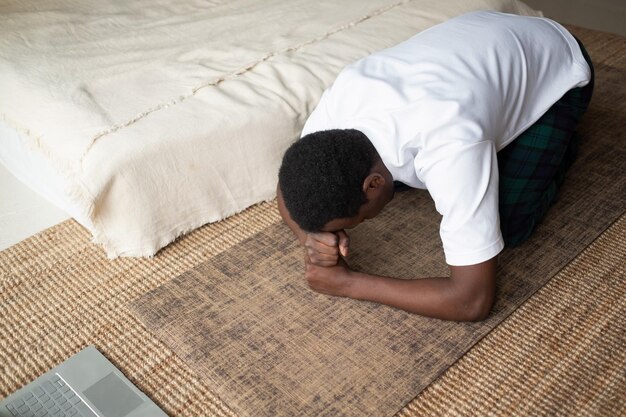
(561, 353)
(268, 346)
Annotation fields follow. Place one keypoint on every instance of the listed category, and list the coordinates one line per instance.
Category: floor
(24, 213)
(605, 15)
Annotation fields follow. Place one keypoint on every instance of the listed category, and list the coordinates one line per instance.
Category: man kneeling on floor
(480, 111)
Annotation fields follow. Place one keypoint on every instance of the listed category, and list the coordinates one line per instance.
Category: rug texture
(561, 353)
(269, 346)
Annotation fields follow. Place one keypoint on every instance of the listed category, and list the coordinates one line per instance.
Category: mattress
(145, 120)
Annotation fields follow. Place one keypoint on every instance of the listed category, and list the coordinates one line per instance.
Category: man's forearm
(433, 297)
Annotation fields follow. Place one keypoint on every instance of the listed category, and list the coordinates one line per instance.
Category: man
(480, 111)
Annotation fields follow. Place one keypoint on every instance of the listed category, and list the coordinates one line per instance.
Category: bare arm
(467, 295)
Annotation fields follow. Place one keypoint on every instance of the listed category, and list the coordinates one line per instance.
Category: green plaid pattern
(533, 166)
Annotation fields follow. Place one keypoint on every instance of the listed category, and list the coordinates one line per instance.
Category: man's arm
(467, 295)
(324, 248)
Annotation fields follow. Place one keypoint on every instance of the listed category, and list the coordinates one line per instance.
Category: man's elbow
(474, 287)
(480, 312)
(477, 309)
(475, 306)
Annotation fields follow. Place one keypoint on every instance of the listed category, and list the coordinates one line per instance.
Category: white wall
(606, 15)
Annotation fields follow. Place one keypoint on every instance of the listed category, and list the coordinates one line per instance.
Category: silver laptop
(87, 385)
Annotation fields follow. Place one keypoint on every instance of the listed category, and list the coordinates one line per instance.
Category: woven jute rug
(561, 353)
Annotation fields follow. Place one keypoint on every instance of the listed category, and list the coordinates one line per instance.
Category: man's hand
(326, 248)
(334, 280)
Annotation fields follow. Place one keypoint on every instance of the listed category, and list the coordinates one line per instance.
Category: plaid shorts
(533, 166)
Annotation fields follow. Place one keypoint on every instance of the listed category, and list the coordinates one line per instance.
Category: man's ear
(373, 184)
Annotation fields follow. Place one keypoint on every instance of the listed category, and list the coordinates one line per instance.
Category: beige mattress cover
(160, 116)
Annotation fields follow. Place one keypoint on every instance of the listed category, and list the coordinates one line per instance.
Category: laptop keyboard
(52, 398)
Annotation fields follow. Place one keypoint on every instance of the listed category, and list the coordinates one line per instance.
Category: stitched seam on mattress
(240, 71)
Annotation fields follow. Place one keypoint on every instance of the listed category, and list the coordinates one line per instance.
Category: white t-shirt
(438, 107)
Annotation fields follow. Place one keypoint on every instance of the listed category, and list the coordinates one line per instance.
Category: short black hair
(322, 174)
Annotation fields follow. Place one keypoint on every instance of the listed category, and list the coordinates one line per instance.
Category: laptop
(85, 385)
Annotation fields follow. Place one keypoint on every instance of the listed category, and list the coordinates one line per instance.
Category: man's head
(333, 179)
